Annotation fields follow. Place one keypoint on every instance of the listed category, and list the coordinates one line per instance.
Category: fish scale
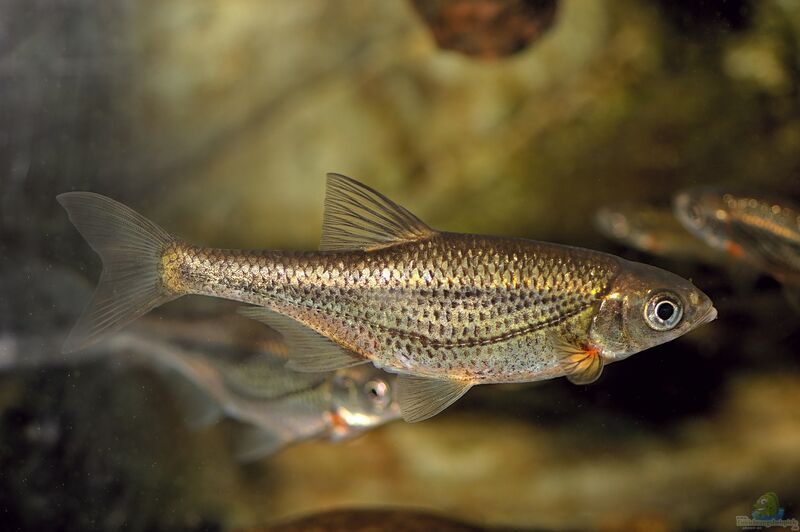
(443, 310)
(472, 305)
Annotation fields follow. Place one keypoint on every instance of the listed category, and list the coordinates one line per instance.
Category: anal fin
(421, 398)
(308, 350)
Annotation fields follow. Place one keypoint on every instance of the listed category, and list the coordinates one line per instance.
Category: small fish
(275, 406)
(654, 230)
(763, 232)
(445, 311)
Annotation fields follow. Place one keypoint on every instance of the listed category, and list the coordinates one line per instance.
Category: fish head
(646, 306)
(362, 397)
(613, 222)
(651, 228)
(704, 212)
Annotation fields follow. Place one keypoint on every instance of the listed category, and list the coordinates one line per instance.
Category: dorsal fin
(358, 217)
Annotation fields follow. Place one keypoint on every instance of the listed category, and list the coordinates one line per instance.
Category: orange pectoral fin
(339, 427)
(581, 364)
(734, 250)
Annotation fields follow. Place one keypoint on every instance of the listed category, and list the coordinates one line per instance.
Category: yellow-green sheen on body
(444, 310)
(477, 308)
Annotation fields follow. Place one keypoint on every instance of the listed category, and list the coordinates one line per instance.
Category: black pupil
(374, 391)
(665, 310)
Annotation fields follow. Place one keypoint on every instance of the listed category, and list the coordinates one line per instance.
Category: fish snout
(710, 315)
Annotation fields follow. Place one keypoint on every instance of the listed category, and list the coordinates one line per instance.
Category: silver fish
(754, 228)
(275, 407)
(446, 311)
(655, 230)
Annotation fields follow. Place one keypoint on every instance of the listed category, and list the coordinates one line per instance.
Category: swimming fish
(220, 365)
(343, 405)
(445, 311)
(761, 231)
(654, 230)
(223, 377)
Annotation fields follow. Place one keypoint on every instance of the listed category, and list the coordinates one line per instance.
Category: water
(220, 119)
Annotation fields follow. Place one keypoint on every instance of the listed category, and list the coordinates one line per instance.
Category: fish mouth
(709, 316)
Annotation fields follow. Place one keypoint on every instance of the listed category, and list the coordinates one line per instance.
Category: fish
(761, 231)
(218, 376)
(653, 229)
(221, 366)
(444, 311)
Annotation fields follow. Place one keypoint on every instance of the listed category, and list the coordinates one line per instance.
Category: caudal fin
(131, 247)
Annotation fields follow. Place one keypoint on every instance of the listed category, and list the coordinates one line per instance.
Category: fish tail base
(135, 253)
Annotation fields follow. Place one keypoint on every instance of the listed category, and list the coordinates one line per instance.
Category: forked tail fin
(131, 248)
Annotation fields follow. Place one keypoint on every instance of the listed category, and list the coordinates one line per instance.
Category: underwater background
(219, 120)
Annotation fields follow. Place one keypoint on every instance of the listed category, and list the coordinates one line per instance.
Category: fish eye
(663, 312)
(378, 392)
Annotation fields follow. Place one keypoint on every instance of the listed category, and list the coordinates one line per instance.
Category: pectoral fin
(581, 364)
(421, 397)
(308, 350)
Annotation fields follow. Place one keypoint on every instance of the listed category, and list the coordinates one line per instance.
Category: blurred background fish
(221, 365)
(249, 383)
(761, 231)
(654, 230)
